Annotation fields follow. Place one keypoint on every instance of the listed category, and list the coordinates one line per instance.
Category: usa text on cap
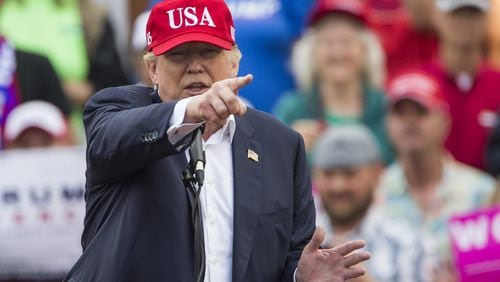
(175, 22)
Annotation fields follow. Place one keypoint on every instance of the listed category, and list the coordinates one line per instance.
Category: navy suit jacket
(137, 223)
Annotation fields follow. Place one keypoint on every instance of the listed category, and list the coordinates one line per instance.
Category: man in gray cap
(346, 170)
(347, 167)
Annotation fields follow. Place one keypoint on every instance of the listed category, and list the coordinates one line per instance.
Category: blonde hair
(302, 63)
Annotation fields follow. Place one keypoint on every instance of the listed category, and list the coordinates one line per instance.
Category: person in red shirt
(406, 31)
(470, 86)
(494, 34)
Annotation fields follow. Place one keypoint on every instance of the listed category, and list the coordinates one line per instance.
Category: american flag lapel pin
(252, 155)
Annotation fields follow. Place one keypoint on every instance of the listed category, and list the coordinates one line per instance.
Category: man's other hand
(333, 265)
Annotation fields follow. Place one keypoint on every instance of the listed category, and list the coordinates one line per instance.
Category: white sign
(41, 211)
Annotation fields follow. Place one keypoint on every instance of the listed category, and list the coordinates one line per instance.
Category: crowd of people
(397, 101)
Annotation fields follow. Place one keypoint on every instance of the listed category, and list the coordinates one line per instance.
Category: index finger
(349, 247)
(239, 82)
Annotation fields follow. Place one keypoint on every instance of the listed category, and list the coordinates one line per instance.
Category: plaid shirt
(394, 258)
(462, 189)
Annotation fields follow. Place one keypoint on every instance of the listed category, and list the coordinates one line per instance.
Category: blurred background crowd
(397, 102)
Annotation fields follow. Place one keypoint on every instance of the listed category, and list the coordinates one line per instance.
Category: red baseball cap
(419, 88)
(355, 9)
(174, 22)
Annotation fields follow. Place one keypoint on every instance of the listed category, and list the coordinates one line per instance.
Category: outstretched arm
(124, 134)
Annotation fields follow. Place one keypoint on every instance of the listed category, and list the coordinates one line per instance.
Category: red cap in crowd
(172, 23)
(355, 9)
(419, 88)
(385, 5)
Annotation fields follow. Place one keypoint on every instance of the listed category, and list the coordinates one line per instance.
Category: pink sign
(475, 239)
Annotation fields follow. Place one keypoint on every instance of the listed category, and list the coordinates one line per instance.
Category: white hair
(302, 62)
(235, 53)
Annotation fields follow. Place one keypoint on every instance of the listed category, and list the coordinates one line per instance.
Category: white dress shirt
(217, 193)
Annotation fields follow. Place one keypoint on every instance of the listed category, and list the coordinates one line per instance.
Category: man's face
(462, 27)
(190, 69)
(414, 129)
(347, 193)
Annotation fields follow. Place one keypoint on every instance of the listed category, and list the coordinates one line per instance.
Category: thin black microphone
(197, 155)
(193, 177)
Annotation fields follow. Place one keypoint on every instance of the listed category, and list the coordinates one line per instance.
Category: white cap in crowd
(35, 114)
(138, 40)
(451, 5)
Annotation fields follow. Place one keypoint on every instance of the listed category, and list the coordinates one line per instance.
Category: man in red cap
(252, 219)
(426, 185)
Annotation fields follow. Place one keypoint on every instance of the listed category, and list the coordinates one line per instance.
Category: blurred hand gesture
(444, 271)
(330, 265)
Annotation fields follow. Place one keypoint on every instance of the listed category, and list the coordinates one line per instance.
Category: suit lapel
(247, 186)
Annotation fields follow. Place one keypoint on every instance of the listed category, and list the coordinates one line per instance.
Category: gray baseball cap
(451, 5)
(345, 146)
